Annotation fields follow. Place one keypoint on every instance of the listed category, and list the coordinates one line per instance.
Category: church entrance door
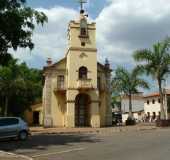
(82, 110)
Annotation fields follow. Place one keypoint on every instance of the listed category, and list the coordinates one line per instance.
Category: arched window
(82, 73)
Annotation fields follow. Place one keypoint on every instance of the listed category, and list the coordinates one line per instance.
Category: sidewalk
(41, 130)
(11, 156)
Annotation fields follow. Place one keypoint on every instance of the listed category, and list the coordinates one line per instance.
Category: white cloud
(126, 25)
(122, 27)
(51, 39)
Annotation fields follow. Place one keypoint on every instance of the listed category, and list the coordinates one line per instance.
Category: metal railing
(60, 87)
(84, 84)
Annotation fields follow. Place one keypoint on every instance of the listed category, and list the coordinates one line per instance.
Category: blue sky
(94, 8)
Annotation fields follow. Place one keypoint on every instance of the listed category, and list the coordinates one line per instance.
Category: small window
(60, 81)
(148, 114)
(83, 44)
(159, 101)
(2, 122)
(153, 101)
(148, 102)
(82, 73)
(8, 121)
(13, 121)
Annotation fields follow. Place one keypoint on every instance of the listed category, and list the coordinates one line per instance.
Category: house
(137, 106)
(34, 115)
(76, 91)
(152, 105)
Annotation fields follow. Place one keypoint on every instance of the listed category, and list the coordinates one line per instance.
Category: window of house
(82, 73)
(153, 115)
(148, 102)
(148, 114)
(60, 81)
(153, 101)
(159, 101)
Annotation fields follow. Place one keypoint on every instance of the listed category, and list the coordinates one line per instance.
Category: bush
(130, 122)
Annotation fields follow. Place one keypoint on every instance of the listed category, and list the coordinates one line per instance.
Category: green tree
(116, 102)
(17, 22)
(8, 83)
(156, 62)
(19, 87)
(4, 59)
(116, 99)
(127, 83)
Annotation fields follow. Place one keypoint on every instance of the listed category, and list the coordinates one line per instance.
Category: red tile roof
(156, 94)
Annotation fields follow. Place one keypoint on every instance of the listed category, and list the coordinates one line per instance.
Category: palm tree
(128, 82)
(156, 62)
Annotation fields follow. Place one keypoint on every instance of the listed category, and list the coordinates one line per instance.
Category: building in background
(137, 106)
(152, 105)
(34, 115)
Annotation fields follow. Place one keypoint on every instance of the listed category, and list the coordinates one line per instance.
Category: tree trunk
(163, 116)
(130, 107)
(6, 107)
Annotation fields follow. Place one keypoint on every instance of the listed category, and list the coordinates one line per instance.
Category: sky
(123, 26)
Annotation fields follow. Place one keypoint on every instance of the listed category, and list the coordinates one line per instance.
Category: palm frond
(128, 81)
(143, 55)
(142, 83)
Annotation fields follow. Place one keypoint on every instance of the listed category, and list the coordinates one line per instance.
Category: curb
(8, 155)
(115, 130)
(71, 132)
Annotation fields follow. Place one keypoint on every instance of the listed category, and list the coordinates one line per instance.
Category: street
(138, 145)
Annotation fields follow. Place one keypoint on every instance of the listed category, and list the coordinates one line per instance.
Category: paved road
(141, 145)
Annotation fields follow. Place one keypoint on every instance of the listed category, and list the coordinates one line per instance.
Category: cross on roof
(81, 3)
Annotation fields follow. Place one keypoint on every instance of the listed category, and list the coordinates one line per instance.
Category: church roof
(54, 64)
(99, 65)
(103, 67)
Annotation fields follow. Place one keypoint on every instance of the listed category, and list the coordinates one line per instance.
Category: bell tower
(81, 49)
(82, 65)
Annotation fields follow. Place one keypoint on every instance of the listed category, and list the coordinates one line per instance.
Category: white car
(13, 127)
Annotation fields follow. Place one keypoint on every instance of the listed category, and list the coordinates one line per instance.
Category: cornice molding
(82, 49)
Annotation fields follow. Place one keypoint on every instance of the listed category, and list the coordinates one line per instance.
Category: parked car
(13, 127)
(116, 118)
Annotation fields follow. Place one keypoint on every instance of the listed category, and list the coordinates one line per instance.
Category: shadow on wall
(41, 142)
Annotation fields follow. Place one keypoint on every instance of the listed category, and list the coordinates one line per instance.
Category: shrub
(163, 123)
(130, 122)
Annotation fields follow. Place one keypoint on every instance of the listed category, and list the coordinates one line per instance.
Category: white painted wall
(137, 105)
(152, 107)
(124, 117)
(135, 115)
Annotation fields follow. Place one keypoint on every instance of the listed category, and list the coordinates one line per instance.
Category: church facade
(77, 91)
